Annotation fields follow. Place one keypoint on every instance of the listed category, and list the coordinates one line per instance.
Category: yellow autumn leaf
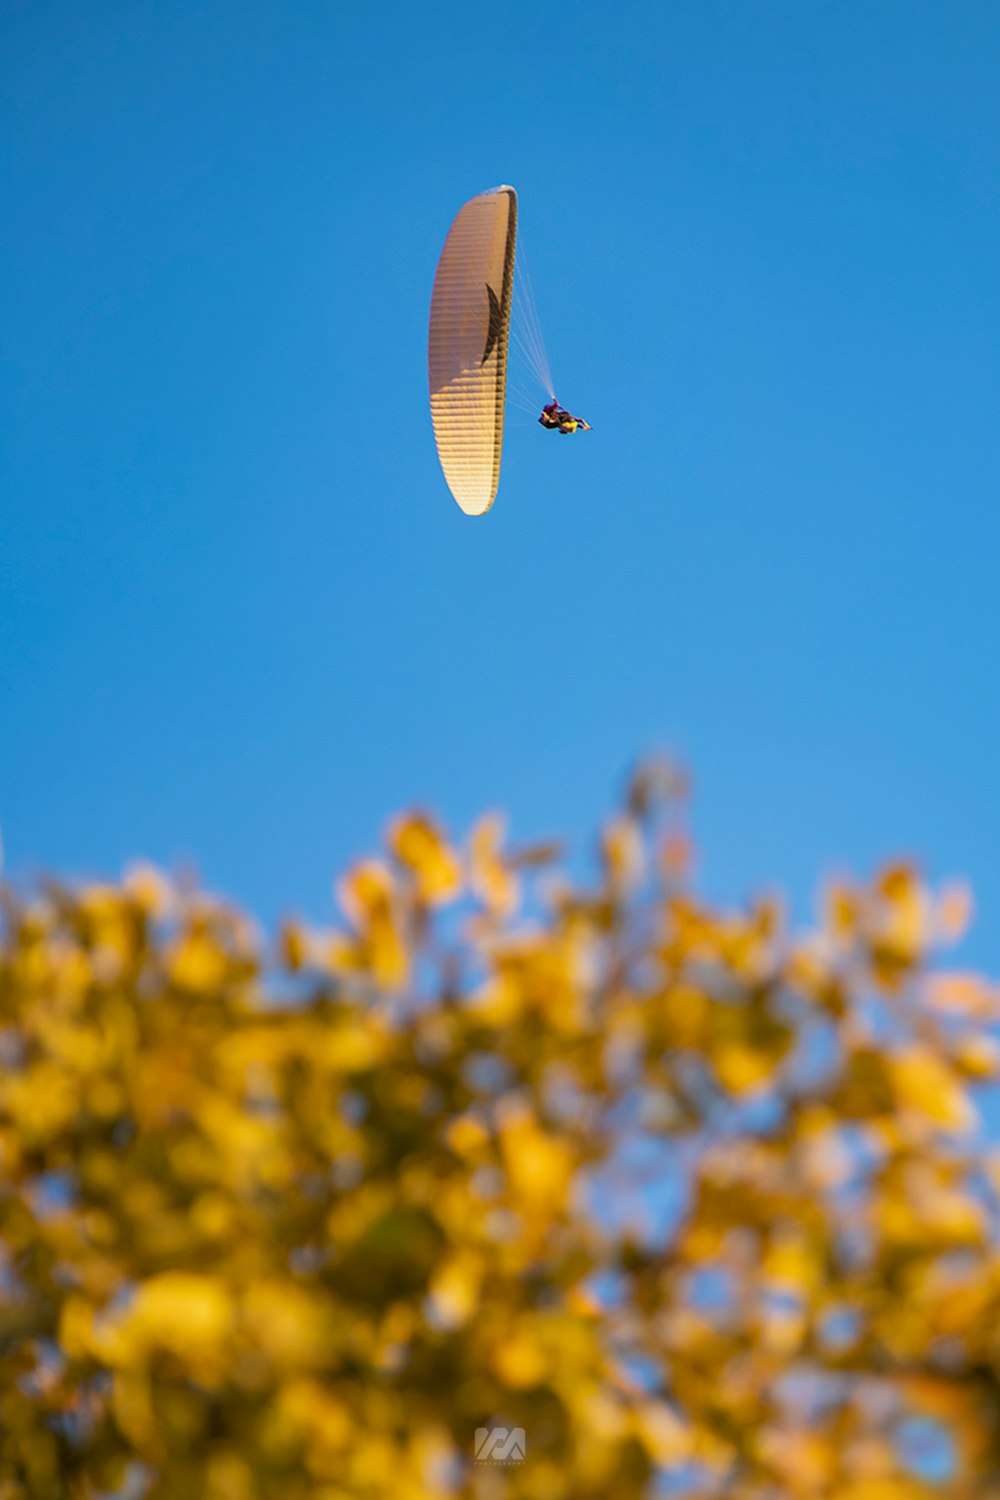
(903, 921)
(454, 1289)
(491, 877)
(781, 1328)
(294, 945)
(466, 1134)
(198, 963)
(366, 892)
(40, 1101)
(977, 1056)
(229, 1477)
(686, 1011)
(874, 1488)
(76, 1321)
(662, 1433)
(519, 1360)
(925, 1085)
(791, 1261)
(180, 1313)
(419, 845)
(803, 1461)
(285, 1324)
(132, 1403)
(741, 1068)
(304, 1410)
(367, 895)
(843, 911)
(149, 889)
(538, 1165)
(927, 1213)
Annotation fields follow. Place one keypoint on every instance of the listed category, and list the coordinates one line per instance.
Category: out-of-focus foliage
(693, 1199)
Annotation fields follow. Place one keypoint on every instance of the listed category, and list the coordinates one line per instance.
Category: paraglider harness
(556, 418)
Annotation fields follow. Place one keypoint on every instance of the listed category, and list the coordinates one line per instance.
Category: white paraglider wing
(467, 346)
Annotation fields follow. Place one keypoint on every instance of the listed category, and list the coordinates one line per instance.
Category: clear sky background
(241, 618)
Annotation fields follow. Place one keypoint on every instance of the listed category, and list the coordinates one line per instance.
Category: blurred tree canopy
(694, 1199)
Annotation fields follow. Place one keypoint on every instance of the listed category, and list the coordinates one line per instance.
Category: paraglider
(468, 345)
(557, 419)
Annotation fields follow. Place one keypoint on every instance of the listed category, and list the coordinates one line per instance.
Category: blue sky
(241, 618)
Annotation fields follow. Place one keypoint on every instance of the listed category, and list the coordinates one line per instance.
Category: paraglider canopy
(467, 346)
